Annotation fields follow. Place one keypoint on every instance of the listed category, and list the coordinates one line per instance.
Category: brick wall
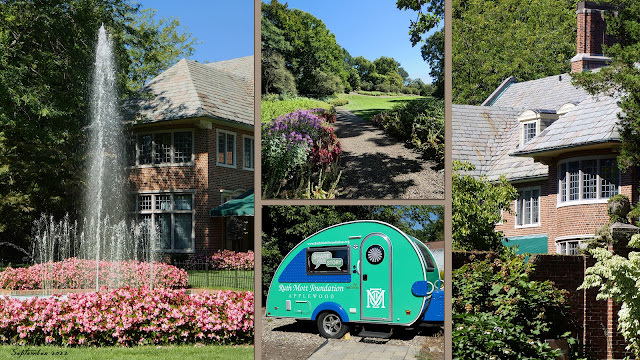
(565, 221)
(205, 177)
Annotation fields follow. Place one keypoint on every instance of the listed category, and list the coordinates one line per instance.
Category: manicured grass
(366, 106)
(178, 352)
(222, 279)
(272, 109)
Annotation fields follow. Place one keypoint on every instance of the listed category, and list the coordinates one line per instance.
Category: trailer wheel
(331, 326)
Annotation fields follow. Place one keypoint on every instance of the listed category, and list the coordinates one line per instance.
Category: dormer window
(530, 131)
(533, 122)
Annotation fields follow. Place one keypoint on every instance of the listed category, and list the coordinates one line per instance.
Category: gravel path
(377, 166)
(287, 339)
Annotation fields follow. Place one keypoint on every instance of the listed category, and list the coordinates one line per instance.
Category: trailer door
(376, 277)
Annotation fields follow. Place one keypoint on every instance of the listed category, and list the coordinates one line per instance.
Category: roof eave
(557, 150)
(191, 119)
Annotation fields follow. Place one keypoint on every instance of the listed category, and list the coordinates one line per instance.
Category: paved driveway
(344, 349)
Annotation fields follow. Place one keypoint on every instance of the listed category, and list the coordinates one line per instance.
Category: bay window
(587, 180)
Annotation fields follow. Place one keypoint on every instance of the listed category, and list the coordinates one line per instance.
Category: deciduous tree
(46, 60)
(476, 209)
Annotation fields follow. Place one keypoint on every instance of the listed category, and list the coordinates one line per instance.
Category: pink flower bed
(76, 273)
(226, 260)
(129, 316)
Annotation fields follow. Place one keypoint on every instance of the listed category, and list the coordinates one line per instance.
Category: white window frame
(235, 148)
(518, 215)
(137, 136)
(251, 153)
(577, 243)
(581, 177)
(536, 125)
(153, 211)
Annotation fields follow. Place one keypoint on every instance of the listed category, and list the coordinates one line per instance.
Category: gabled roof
(189, 89)
(593, 121)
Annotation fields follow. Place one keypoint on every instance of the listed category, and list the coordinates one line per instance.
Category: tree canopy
(493, 40)
(46, 60)
(476, 209)
(297, 43)
(430, 15)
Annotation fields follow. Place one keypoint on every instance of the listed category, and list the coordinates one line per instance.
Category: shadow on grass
(366, 114)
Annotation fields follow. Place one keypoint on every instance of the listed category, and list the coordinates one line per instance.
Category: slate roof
(550, 92)
(484, 136)
(221, 90)
(488, 136)
(595, 120)
(242, 66)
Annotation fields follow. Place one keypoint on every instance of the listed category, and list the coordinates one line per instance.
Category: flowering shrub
(74, 273)
(226, 260)
(298, 150)
(129, 316)
(326, 150)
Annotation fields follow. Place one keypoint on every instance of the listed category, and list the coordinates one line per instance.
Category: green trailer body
(357, 272)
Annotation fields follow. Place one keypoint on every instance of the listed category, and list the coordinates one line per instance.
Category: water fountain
(104, 235)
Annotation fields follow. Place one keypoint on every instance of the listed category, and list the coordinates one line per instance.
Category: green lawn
(366, 106)
(222, 279)
(178, 352)
(272, 109)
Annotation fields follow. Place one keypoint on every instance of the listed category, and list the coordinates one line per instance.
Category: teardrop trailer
(365, 273)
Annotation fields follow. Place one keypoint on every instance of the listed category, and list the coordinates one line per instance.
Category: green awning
(532, 244)
(240, 206)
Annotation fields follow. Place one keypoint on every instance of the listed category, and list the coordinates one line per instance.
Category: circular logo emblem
(375, 254)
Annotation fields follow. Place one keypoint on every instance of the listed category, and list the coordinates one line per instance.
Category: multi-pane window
(530, 131)
(248, 162)
(591, 179)
(145, 149)
(573, 173)
(182, 146)
(163, 148)
(169, 217)
(569, 247)
(528, 207)
(226, 148)
(609, 178)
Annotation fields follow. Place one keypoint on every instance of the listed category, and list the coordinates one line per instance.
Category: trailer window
(425, 254)
(328, 260)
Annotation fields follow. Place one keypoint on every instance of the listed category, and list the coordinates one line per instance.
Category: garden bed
(129, 316)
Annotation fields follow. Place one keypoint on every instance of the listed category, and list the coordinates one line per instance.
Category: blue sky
(365, 28)
(224, 28)
(370, 29)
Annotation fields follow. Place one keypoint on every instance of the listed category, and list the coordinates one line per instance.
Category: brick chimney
(592, 35)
